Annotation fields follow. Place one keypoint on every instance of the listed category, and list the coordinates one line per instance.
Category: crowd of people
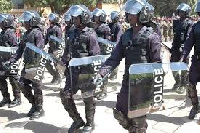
(135, 36)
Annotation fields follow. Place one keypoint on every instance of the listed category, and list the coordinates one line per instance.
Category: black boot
(15, 102)
(77, 124)
(5, 101)
(31, 111)
(138, 125)
(192, 94)
(56, 79)
(39, 112)
(89, 113)
(193, 112)
(70, 107)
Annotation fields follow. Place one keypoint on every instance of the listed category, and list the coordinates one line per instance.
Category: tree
(59, 6)
(5, 5)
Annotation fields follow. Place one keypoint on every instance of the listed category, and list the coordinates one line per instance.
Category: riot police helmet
(114, 15)
(53, 18)
(183, 8)
(197, 9)
(67, 17)
(30, 17)
(82, 11)
(99, 13)
(138, 7)
(6, 20)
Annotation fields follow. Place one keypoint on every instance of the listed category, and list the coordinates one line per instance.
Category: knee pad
(192, 91)
(122, 119)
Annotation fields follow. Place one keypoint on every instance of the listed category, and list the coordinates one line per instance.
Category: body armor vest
(80, 43)
(136, 49)
(31, 57)
(54, 32)
(197, 38)
(180, 29)
(4, 40)
(103, 31)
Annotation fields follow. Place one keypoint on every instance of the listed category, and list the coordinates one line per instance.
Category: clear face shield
(2, 18)
(197, 9)
(52, 17)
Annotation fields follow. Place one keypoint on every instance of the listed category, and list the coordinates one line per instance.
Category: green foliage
(58, 6)
(168, 7)
(5, 5)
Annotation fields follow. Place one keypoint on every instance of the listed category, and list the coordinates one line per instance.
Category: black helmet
(100, 13)
(138, 7)
(80, 10)
(53, 18)
(114, 15)
(184, 7)
(6, 20)
(32, 17)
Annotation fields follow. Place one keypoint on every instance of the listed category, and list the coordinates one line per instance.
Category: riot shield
(8, 69)
(106, 45)
(88, 66)
(60, 51)
(146, 82)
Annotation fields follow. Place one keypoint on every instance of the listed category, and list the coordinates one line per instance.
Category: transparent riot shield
(8, 69)
(146, 81)
(34, 63)
(59, 52)
(106, 45)
(37, 70)
(88, 68)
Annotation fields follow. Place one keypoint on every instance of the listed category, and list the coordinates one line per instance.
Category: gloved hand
(12, 60)
(97, 79)
(183, 59)
(105, 70)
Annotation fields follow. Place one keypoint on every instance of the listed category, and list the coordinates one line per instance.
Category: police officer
(102, 30)
(193, 40)
(68, 22)
(116, 32)
(115, 26)
(83, 42)
(54, 30)
(68, 29)
(8, 39)
(180, 29)
(139, 44)
(31, 20)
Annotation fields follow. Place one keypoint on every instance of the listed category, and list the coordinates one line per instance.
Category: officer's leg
(16, 93)
(133, 125)
(4, 91)
(70, 107)
(38, 99)
(53, 72)
(27, 91)
(90, 107)
(192, 94)
(175, 57)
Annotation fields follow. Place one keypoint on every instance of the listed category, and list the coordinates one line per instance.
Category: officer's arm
(94, 48)
(39, 40)
(189, 43)
(19, 52)
(11, 39)
(116, 56)
(155, 48)
(46, 38)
